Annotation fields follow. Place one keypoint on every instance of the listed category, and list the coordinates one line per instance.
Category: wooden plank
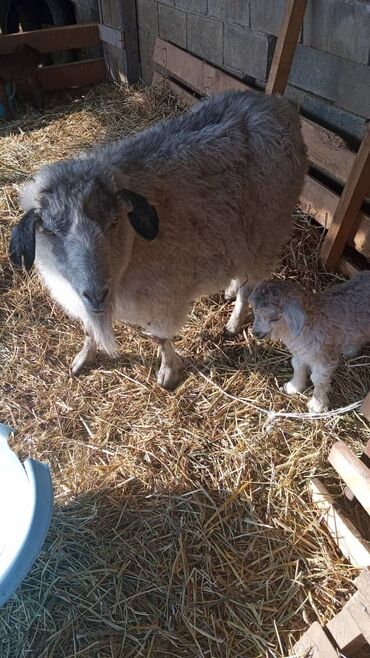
(362, 583)
(365, 407)
(52, 39)
(321, 202)
(285, 46)
(345, 632)
(344, 533)
(345, 219)
(130, 35)
(75, 74)
(353, 471)
(326, 150)
(314, 644)
(111, 35)
(347, 268)
(359, 610)
(365, 457)
(192, 71)
(182, 94)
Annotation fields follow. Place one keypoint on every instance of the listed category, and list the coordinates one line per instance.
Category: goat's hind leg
(171, 369)
(85, 357)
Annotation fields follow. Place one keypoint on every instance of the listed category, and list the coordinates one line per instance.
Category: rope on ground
(272, 415)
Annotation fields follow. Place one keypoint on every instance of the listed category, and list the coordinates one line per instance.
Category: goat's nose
(96, 299)
(258, 334)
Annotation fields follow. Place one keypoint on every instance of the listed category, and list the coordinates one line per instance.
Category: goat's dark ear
(295, 316)
(22, 242)
(143, 217)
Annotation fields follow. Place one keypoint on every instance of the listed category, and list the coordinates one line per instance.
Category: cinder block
(346, 123)
(246, 50)
(341, 27)
(147, 15)
(199, 6)
(341, 81)
(236, 10)
(172, 25)
(267, 15)
(205, 37)
(167, 2)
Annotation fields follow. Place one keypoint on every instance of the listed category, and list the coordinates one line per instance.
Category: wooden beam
(365, 458)
(365, 408)
(319, 201)
(285, 46)
(111, 35)
(130, 36)
(314, 644)
(74, 74)
(344, 533)
(362, 583)
(327, 151)
(353, 471)
(345, 219)
(182, 94)
(358, 608)
(193, 72)
(52, 39)
(345, 632)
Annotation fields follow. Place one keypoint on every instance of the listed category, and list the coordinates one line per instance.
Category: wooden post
(285, 46)
(118, 31)
(345, 220)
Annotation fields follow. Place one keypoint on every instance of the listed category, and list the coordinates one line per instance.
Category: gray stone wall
(330, 76)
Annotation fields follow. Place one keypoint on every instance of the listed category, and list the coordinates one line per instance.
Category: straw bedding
(183, 525)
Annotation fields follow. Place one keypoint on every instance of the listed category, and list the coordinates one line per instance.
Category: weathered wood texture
(67, 76)
(285, 46)
(353, 471)
(120, 39)
(314, 644)
(364, 458)
(52, 39)
(344, 533)
(346, 216)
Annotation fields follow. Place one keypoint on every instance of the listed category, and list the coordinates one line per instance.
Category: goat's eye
(48, 231)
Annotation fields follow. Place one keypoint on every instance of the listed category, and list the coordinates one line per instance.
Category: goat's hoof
(291, 389)
(170, 378)
(230, 294)
(233, 326)
(316, 406)
(80, 363)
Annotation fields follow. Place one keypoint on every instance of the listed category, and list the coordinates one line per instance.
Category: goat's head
(83, 226)
(278, 308)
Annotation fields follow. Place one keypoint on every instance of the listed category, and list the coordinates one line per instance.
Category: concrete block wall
(330, 76)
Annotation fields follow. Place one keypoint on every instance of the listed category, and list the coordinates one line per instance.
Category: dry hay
(183, 525)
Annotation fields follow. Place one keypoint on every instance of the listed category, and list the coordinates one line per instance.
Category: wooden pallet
(355, 473)
(347, 634)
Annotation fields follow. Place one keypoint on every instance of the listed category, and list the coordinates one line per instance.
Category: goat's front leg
(298, 382)
(171, 370)
(321, 378)
(85, 357)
